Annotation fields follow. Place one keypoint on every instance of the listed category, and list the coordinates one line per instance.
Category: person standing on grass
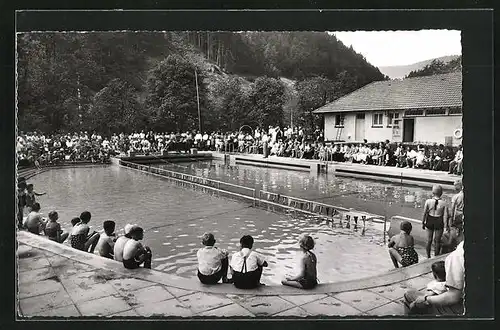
(213, 263)
(53, 228)
(435, 220)
(306, 277)
(247, 265)
(134, 253)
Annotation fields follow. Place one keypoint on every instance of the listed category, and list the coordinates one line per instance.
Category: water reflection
(371, 196)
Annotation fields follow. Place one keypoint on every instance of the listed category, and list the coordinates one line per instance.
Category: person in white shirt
(213, 263)
(449, 302)
(456, 165)
(438, 285)
(411, 157)
(246, 265)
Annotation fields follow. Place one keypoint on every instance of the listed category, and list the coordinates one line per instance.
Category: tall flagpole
(198, 100)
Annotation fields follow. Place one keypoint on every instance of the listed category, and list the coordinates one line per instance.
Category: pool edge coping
(383, 279)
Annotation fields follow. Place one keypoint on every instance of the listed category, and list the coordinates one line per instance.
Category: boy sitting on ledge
(212, 262)
(134, 254)
(247, 265)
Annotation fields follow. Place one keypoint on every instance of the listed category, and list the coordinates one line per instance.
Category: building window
(414, 112)
(377, 119)
(392, 119)
(455, 111)
(339, 120)
(435, 112)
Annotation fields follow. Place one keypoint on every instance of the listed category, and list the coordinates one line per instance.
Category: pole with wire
(198, 100)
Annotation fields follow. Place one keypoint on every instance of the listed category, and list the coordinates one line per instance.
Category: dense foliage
(438, 67)
(126, 81)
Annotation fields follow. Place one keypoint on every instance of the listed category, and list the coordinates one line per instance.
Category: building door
(408, 129)
(359, 134)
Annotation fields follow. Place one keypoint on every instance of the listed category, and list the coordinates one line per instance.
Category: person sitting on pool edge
(401, 247)
(213, 263)
(34, 222)
(81, 238)
(120, 243)
(53, 228)
(246, 265)
(134, 254)
(446, 303)
(107, 240)
(306, 277)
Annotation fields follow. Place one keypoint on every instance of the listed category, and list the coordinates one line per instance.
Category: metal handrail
(216, 185)
(175, 174)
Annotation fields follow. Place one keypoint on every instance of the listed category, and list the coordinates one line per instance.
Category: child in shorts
(401, 248)
(438, 285)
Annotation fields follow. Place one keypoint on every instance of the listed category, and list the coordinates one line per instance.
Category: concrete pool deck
(55, 280)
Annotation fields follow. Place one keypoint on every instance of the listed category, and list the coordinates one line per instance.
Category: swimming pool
(174, 218)
(381, 198)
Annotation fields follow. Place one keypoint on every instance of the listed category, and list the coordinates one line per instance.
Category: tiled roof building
(422, 109)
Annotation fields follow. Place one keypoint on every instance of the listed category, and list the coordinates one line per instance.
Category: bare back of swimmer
(435, 219)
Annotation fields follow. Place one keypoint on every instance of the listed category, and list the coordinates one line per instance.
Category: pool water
(381, 198)
(174, 218)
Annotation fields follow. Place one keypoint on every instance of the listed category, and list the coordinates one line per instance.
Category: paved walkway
(57, 281)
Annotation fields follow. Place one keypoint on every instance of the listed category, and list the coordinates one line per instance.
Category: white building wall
(430, 129)
(377, 134)
(435, 129)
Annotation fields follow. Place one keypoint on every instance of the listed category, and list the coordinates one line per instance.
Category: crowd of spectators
(38, 149)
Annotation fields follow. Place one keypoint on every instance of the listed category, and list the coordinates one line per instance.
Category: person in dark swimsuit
(81, 238)
(401, 247)
(307, 274)
(435, 220)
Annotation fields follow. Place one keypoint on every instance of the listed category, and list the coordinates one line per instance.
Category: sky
(389, 48)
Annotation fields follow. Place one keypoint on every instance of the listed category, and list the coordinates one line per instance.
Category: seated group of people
(126, 249)
(437, 158)
(246, 265)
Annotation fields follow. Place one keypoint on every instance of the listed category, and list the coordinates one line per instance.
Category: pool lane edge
(384, 279)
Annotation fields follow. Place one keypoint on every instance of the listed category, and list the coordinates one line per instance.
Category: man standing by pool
(246, 265)
(457, 205)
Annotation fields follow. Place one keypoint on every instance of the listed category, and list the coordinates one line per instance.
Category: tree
(229, 102)
(312, 94)
(171, 100)
(437, 67)
(116, 109)
(267, 99)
